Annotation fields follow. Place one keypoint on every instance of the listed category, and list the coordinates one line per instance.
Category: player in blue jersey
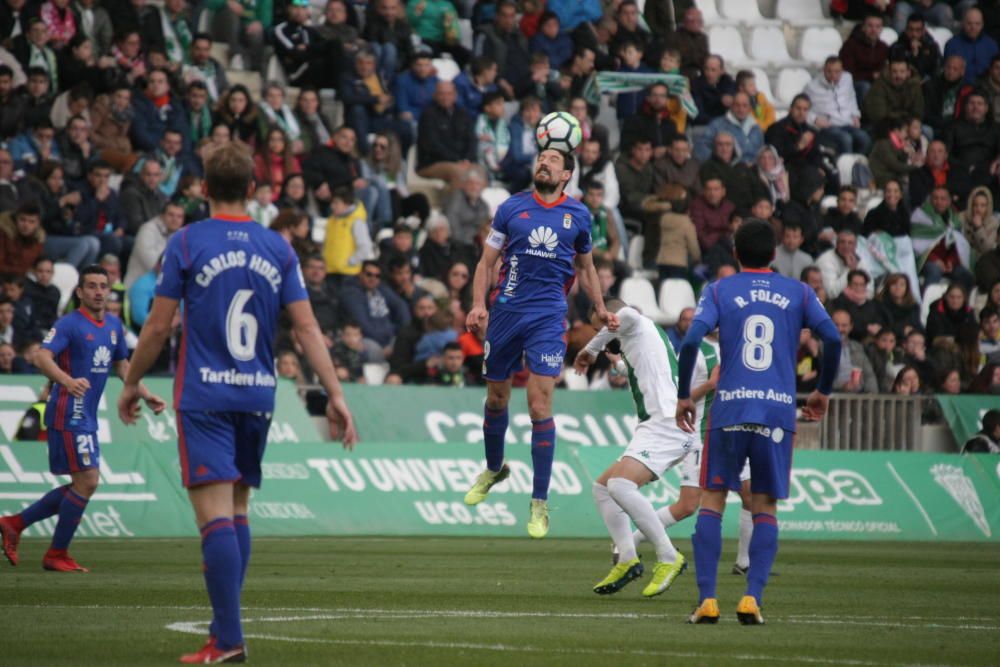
(77, 355)
(543, 240)
(760, 315)
(233, 277)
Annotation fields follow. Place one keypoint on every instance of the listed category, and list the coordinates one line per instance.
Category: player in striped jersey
(657, 445)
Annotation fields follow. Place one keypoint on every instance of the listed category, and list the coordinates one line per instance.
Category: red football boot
(60, 561)
(211, 654)
(10, 537)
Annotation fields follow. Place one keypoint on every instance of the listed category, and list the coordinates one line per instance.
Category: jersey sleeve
(293, 284)
(498, 228)
(121, 349)
(583, 243)
(170, 282)
(708, 307)
(57, 339)
(814, 313)
(628, 319)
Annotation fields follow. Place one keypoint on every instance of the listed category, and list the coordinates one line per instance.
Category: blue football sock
(71, 510)
(44, 507)
(222, 564)
(763, 549)
(543, 451)
(494, 434)
(242, 526)
(707, 545)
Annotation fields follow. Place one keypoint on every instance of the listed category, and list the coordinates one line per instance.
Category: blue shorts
(539, 338)
(221, 446)
(73, 451)
(769, 450)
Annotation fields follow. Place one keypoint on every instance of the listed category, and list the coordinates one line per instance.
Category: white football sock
(617, 521)
(666, 518)
(746, 532)
(626, 493)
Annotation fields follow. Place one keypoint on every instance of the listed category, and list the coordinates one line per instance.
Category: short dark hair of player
(228, 173)
(92, 270)
(754, 243)
(343, 193)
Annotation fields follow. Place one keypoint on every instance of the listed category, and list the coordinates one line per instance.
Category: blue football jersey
(83, 348)
(538, 242)
(760, 316)
(233, 277)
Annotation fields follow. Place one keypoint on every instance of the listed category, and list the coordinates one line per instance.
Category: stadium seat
(888, 36)
(763, 82)
(791, 82)
(275, 71)
(676, 294)
(819, 43)
(639, 292)
(65, 277)
(726, 41)
(801, 13)
(383, 234)
(575, 382)
(827, 202)
(869, 204)
(745, 11)
(375, 373)
(635, 247)
(465, 35)
(494, 197)
(431, 187)
(845, 165)
(447, 68)
(767, 44)
(940, 35)
(251, 80)
(319, 230)
(931, 294)
(710, 13)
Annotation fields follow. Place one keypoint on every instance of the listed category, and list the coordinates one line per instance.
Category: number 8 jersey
(233, 277)
(760, 315)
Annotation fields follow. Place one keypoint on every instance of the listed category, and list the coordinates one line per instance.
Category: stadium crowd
(398, 126)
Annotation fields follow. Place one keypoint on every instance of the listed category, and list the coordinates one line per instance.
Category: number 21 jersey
(233, 277)
(760, 315)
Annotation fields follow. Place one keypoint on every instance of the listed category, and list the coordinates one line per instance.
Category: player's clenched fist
(686, 414)
(78, 387)
(476, 320)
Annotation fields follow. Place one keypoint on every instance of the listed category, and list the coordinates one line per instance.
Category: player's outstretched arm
(155, 403)
(476, 319)
(308, 333)
(591, 285)
(154, 334)
(46, 363)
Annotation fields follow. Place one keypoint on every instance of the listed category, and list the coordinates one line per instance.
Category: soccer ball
(559, 131)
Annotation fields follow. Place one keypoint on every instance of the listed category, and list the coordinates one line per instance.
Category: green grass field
(399, 601)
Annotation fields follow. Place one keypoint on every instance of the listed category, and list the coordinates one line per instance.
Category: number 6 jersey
(233, 277)
(760, 315)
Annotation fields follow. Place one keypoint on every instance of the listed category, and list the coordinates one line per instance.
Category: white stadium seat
(888, 36)
(845, 164)
(575, 382)
(65, 277)
(767, 44)
(635, 247)
(447, 69)
(709, 12)
(431, 187)
(676, 294)
(639, 292)
(726, 41)
(817, 44)
(744, 11)
(791, 82)
(494, 197)
(940, 35)
(374, 373)
(931, 294)
(801, 12)
(763, 83)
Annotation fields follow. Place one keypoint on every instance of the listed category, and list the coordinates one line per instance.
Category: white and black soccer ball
(560, 131)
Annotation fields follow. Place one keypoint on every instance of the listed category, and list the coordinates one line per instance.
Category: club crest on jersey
(567, 221)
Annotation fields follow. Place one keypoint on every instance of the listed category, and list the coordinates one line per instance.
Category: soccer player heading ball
(760, 315)
(539, 237)
(234, 277)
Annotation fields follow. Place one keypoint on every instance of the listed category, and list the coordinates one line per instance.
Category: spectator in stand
(403, 368)
(275, 112)
(594, 164)
(436, 22)
(111, 119)
(760, 107)
(891, 216)
(889, 160)
(629, 28)
(415, 88)
(520, 158)
(141, 198)
(328, 167)
(6, 333)
(591, 129)
(973, 141)
(154, 111)
(77, 151)
(837, 262)
(243, 25)
(439, 252)
(173, 162)
(885, 359)
(803, 206)
(813, 277)
(350, 353)
(630, 62)
(855, 374)
(8, 189)
(298, 48)
(22, 239)
(867, 315)
(988, 274)
(348, 243)
(399, 246)
(987, 440)
(446, 142)
(938, 171)
(603, 231)
(66, 239)
(274, 161)
(100, 210)
(507, 45)
(472, 84)
(238, 112)
(794, 138)
(151, 241)
(948, 314)
(678, 166)
(199, 114)
(37, 96)
(677, 239)
(322, 296)
(11, 104)
(450, 369)
(908, 382)
(741, 182)
(458, 282)
(936, 12)
(864, 54)
(544, 83)
(990, 85)
(464, 207)
(315, 128)
(916, 45)
(549, 39)
(386, 168)
(579, 79)
(770, 169)
(204, 68)
(739, 124)
(94, 22)
(32, 148)
(261, 208)
(944, 95)
(652, 123)
(379, 311)
(339, 36)
(43, 294)
(400, 273)
(975, 47)
(691, 41)
(896, 95)
(293, 226)
(710, 213)
(789, 259)
(712, 91)
(635, 180)
(390, 36)
(989, 336)
(941, 249)
(835, 109)
(988, 380)
(899, 304)
(979, 223)
(842, 216)
(32, 51)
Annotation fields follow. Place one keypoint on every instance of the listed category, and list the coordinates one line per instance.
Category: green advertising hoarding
(964, 414)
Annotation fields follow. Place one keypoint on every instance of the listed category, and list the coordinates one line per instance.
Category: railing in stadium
(880, 422)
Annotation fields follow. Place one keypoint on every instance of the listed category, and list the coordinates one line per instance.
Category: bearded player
(541, 237)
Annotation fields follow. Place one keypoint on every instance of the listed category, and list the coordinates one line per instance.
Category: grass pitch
(410, 601)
